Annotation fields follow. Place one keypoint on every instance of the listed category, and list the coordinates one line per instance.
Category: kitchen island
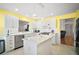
(38, 44)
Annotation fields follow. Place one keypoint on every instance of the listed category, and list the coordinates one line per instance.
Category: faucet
(8, 33)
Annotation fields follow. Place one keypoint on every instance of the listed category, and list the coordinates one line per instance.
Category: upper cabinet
(44, 26)
(11, 24)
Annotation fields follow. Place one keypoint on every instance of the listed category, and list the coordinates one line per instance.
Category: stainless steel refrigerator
(77, 36)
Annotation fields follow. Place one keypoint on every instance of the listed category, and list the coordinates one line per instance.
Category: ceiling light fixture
(16, 9)
(34, 15)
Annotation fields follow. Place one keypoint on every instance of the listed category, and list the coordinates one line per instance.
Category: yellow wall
(1, 24)
(48, 18)
(57, 23)
(77, 13)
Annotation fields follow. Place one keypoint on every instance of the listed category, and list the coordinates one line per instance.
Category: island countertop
(39, 38)
(38, 43)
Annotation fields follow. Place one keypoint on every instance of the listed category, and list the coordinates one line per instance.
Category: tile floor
(63, 50)
(56, 50)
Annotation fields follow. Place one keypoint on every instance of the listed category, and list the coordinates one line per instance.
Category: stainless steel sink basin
(45, 33)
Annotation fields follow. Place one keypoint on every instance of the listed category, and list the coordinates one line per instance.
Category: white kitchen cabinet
(9, 43)
(54, 39)
(44, 26)
(45, 48)
(38, 44)
(10, 26)
(31, 47)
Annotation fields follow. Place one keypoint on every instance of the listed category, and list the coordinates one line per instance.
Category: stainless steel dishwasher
(18, 41)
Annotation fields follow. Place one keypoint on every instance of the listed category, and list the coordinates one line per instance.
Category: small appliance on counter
(27, 29)
(2, 46)
(36, 31)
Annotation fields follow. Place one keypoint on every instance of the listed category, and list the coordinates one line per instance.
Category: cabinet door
(11, 24)
(9, 43)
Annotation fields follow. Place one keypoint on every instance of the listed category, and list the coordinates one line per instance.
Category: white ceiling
(41, 9)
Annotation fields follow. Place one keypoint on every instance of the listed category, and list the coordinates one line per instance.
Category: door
(69, 38)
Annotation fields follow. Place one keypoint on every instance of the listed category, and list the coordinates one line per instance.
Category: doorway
(67, 25)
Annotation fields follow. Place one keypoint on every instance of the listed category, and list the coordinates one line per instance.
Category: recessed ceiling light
(16, 9)
(51, 14)
(34, 15)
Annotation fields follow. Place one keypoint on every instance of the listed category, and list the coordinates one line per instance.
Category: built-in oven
(2, 46)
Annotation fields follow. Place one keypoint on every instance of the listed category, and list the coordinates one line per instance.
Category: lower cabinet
(31, 47)
(54, 39)
(9, 43)
(45, 48)
(13, 42)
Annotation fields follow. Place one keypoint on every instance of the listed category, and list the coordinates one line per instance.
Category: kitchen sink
(45, 33)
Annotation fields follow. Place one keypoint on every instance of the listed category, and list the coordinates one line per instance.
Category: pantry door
(69, 38)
